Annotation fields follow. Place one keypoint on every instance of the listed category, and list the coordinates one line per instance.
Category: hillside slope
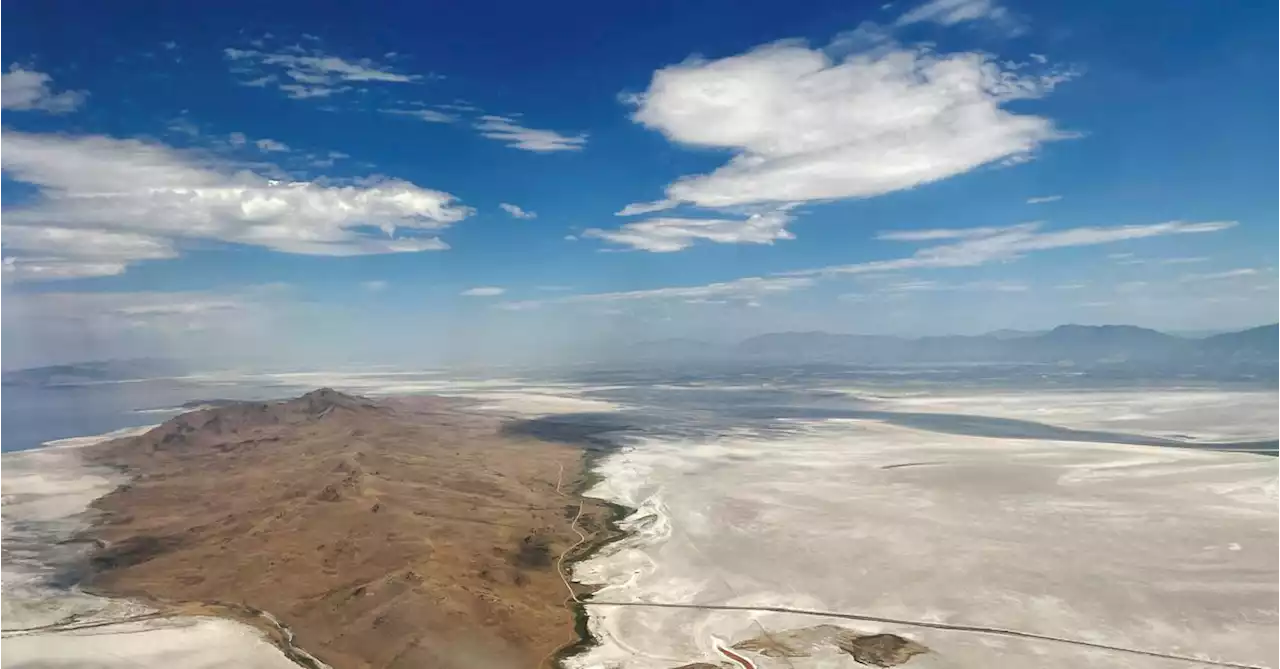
(402, 533)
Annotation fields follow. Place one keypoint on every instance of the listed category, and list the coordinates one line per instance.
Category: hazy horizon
(270, 184)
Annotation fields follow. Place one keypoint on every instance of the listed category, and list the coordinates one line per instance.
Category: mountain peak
(323, 399)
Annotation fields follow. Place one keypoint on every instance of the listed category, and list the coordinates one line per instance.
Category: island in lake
(349, 532)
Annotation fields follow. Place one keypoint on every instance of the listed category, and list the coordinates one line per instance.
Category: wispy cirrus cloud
(28, 90)
(425, 115)
(1003, 244)
(747, 289)
(483, 291)
(1043, 199)
(1218, 276)
(959, 248)
(954, 12)
(509, 131)
(665, 235)
(935, 234)
(308, 72)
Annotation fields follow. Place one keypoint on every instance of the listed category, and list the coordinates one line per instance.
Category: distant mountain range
(94, 371)
(1119, 347)
(1067, 344)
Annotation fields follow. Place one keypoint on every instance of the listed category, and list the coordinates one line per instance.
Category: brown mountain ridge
(392, 533)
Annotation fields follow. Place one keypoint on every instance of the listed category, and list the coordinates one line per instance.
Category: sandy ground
(46, 492)
(1195, 414)
(1168, 550)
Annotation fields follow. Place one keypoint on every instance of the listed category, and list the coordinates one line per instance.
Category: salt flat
(46, 495)
(1166, 550)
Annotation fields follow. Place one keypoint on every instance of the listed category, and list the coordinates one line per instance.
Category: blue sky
(501, 181)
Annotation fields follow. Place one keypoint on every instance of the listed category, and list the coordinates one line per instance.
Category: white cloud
(271, 145)
(109, 202)
(934, 234)
(805, 126)
(637, 208)
(1044, 199)
(1216, 276)
(952, 12)
(1071, 286)
(483, 291)
(664, 235)
(24, 90)
(976, 246)
(917, 286)
(69, 253)
(1130, 259)
(374, 286)
(517, 212)
(304, 92)
(1004, 244)
(237, 139)
(516, 136)
(303, 73)
(745, 289)
(427, 115)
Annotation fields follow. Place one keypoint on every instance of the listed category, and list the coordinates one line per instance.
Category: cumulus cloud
(507, 130)
(104, 203)
(1043, 200)
(302, 73)
(517, 212)
(483, 291)
(427, 115)
(665, 235)
(25, 90)
(804, 125)
(952, 12)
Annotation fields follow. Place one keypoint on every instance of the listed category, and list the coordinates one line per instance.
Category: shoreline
(586, 550)
(54, 479)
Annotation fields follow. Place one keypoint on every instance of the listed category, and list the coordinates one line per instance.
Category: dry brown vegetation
(403, 533)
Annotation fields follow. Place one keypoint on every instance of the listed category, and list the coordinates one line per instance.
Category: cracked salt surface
(1168, 550)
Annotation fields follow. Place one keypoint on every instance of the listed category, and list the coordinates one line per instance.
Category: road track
(864, 617)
